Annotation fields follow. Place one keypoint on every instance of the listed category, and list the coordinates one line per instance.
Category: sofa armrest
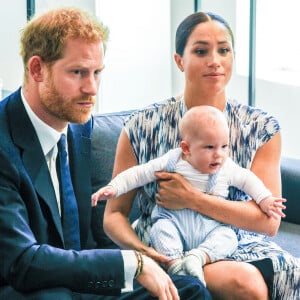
(290, 175)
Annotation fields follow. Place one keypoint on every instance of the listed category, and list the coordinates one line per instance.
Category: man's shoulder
(5, 117)
(83, 130)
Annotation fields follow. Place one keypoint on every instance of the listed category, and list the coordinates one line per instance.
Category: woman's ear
(178, 61)
(35, 68)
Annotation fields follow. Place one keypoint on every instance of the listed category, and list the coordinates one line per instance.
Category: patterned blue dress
(154, 131)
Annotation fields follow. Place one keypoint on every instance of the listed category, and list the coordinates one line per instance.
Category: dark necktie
(70, 219)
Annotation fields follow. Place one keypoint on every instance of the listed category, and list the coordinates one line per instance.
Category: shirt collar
(48, 136)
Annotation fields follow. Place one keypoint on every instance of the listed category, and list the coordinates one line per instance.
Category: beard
(65, 108)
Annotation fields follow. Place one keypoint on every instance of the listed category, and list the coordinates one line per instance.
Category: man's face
(68, 90)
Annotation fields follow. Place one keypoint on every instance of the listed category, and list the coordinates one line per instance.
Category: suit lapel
(79, 139)
(32, 156)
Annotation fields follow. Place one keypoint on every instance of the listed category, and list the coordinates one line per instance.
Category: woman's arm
(117, 210)
(176, 193)
(116, 223)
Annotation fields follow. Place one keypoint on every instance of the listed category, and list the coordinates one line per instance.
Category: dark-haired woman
(205, 53)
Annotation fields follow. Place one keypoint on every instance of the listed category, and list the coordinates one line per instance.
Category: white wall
(179, 11)
(42, 5)
(12, 19)
(138, 58)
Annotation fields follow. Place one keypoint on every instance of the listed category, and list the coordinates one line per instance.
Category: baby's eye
(225, 146)
(209, 147)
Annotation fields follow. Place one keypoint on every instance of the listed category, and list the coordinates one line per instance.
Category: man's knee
(8, 292)
(190, 288)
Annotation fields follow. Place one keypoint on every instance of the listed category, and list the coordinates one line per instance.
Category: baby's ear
(185, 147)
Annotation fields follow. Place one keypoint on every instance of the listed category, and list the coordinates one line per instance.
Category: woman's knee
(251, 283)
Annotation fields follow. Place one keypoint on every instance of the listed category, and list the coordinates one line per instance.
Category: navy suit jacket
(32, 254)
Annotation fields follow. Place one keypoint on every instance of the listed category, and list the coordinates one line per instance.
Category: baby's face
(209, 149)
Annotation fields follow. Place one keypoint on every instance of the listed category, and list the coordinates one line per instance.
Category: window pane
(278, 44)
(278, 67)
(12, 20)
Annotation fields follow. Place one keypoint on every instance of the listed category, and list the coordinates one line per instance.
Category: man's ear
(185, 147)
(35, 68)
(178, 61)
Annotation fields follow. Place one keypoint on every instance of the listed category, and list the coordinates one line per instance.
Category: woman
(205, 53)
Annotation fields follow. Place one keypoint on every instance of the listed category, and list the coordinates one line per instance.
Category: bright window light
(277, 41)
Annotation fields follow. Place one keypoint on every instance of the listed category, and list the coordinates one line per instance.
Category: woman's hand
(151, 252)
(176, 193)
(173, 190)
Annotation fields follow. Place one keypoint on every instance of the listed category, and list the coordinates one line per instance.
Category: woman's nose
(213, 60)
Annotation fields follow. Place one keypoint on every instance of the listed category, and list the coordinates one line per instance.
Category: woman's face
(208, 58)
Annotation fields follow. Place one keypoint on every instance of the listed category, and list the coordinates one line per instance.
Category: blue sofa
(106, 131)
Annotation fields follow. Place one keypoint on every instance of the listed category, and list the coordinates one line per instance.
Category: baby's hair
(200, 117)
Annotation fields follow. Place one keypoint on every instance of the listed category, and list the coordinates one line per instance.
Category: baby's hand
(104, 193)
(273, 207)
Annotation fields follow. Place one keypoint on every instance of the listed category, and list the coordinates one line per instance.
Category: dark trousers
(189, 288)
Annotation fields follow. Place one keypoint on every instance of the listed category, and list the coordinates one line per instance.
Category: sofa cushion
(106, 131)
(288, 238)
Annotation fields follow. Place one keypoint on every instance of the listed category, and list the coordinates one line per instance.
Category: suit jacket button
(104, 283)
(111, 283)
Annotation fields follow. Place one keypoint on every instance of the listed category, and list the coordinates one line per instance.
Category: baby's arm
(273, 206)
(246, 180)
(131, 178)
(104, 193)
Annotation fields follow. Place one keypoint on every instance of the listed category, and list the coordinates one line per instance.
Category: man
(43, 255)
